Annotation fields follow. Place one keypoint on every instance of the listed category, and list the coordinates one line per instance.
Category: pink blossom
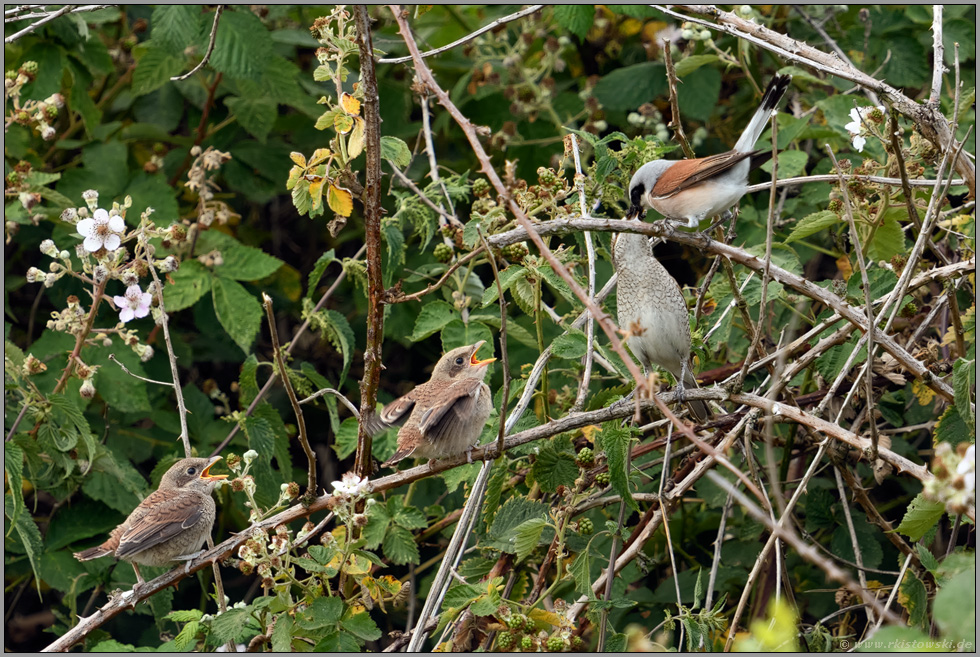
(136, 303)
(101, 231)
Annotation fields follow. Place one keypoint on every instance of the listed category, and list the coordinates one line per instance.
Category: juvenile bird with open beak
(443, 416)
(170, 525)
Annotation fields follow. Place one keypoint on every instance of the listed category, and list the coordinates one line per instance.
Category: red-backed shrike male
(687, 191)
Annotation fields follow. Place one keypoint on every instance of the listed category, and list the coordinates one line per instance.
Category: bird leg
(188, 558)
(140, 583)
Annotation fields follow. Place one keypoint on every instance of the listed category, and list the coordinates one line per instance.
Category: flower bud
(49, 249)
(87, 391)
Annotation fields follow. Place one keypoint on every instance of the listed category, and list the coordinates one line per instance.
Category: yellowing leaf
(298, 158)
(590, 431)
(844, 265)
(357, 565)
(543, 616)
(343, 123)
(922, 392)
(350, 104)
(319, 155)
(340, 200)
(316, 193)
(355, 144)
(294, 175)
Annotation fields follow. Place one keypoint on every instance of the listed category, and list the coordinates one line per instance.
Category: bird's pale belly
(662, 341)
(708, 199)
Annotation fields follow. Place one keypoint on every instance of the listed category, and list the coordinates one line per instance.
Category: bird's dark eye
(191, 470)
(459, 361)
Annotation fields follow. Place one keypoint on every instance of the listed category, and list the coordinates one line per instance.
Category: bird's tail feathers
(93, 553)
(400, 455)
(699, 408)
(770, 100)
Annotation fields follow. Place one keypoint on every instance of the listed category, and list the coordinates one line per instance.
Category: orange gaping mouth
(206, 475)
(478, 363)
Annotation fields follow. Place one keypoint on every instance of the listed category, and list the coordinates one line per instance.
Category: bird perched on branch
(170, 525)
(443, 416)
(687, 191)
(651, 306)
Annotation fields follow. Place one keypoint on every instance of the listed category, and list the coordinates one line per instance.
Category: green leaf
(459, 596)
(115, 483)
(240, 262)
(155, 68)
(629, 87)
(184, 615)
(319, 268)
(191, 282)
(871, 552)
(921, 516)
(571, 345)
(912, 595)
(29, 534)
(495, 488)
(927, 558)
(464, 474)
(964, 390)
(812, 223)
(554, 468)
(432, 318)
(457, 334)
(581, 571)
(698, 96)
(577, 19)
(238, 311)
(514, 511)
(951, 428)
(74, 415)
(13, 465)
(410, 517)
(395, 151)
(229, 626)
(186, 639)
(955, 608)
(399, 546)
(242, 45)
(528, 534)
(255, 114)
(362, 626)
(888, 241)
(791, 164)
(693, 63)
(174, 27)
(880, 282)
(615, 442)
(152, 191)
(282, 634)
(324, 612)
(507, 279)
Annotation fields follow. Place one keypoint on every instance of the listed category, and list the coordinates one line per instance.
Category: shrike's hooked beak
(634, 212)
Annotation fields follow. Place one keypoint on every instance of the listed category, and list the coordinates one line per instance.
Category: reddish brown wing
(393, 414)
(686, 173)
(451, 409)
(165, 513)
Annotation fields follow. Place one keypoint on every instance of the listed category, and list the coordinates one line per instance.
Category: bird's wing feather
(393, 414)
(444, 418)
(167, 513)
(687, 173)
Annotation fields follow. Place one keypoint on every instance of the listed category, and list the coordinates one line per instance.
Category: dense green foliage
(248, 178)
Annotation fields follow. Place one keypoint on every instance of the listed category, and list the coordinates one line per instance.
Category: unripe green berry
(555, 644)
(505, 641)
(514, 621)
(443, 252)
(586, 457)
(585, 526)
(602, 479)
(481, 187)
(527, 643)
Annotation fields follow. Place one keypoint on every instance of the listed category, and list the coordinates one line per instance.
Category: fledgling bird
(651, 307)
(687, 191)
(170, 525)
(443, 416)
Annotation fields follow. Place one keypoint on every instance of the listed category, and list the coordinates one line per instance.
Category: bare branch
(207, 53)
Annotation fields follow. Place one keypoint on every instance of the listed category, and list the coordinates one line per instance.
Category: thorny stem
(291, 393)
(97, 295)
(371, 198)
(675, 112)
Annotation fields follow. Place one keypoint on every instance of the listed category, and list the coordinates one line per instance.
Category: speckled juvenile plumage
(172, 522)
(652, 308)
(443, 416)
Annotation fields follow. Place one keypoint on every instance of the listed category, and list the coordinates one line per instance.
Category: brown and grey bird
(443, 416)
(652, 310)
(687, 191)
(170, 525)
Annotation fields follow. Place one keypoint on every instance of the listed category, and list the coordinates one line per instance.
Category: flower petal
(859, 143)
(112, 242)
(120, 301)
(101, 215)
(126, 314)
(116, 224)
(142, 311)
(86, 227)
(92, 244)
(145, 299)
